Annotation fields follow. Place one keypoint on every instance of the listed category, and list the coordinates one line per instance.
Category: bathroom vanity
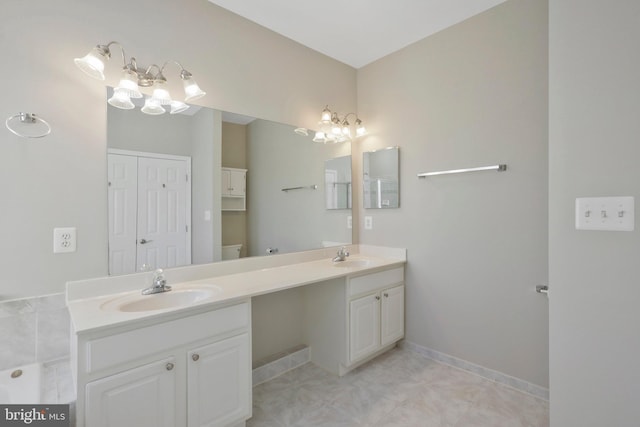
(183, 357)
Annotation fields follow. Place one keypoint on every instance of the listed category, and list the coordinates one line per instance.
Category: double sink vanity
(183, 357)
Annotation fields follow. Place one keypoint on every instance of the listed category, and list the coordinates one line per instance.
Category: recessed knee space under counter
(243, 310)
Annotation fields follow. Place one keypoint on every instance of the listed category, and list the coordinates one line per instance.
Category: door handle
(144, 241)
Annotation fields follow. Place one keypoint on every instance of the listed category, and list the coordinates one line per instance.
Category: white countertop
(85, 304)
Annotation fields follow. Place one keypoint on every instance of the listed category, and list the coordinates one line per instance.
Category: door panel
(162, 213)
(123, 187)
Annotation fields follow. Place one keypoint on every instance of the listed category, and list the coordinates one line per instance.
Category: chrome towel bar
(499, 168)
(313, 187)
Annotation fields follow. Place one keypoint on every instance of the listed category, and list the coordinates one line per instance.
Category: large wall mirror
(167, 205)
(381, 178)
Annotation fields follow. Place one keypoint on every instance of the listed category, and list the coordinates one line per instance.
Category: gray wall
(594, 151)
(59, 181)
(472, 95)
(136, 131)
(205, 143)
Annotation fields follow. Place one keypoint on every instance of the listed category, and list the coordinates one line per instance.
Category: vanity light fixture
(133, 77)
(334, 128)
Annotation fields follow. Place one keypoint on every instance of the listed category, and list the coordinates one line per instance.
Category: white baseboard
(279, 366)
(496, 376)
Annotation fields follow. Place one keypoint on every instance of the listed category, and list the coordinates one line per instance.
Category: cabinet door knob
(386, 295)
(195, 357)
(378, 297)
(169, 366)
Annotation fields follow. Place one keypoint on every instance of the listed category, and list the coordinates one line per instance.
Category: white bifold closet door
(149, 213)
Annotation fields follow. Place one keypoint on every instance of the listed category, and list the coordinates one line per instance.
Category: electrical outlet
(368, 223)
(349, 221)
(64, 240)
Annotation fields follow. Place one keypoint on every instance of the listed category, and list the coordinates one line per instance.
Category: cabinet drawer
(112, 350)
(373, 282)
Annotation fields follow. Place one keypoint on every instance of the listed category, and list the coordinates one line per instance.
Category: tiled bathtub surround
(496, 376)
(57, 382)
(33, 330)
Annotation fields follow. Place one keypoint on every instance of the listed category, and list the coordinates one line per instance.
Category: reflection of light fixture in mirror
(134, 77)
(302, 131)
(152, 107)
(121, 99)
(334, 129)
(178, 107)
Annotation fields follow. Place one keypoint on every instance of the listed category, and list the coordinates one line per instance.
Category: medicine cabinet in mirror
(380, 178)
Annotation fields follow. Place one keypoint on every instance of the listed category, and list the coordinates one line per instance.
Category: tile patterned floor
(400, 388)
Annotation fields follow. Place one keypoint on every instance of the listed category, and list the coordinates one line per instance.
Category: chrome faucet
(341, 255)
(159, 284)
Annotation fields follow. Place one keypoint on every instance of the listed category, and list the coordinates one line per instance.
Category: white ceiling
(356, 32)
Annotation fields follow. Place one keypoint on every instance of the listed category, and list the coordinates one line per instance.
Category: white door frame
(186, 159)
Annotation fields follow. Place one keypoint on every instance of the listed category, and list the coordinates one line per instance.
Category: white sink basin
(351, 263)
(175, 298)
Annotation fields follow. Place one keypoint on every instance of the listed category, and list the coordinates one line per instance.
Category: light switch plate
(605, 213)
(64, 240)
(349, 221)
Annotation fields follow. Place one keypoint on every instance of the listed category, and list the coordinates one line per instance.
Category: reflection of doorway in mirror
(149, 211)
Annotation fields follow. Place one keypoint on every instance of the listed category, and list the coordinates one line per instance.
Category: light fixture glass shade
(152, 107)
(178, 107)
(92, 63)
(360, 130)
(346, 132)
(121, 99)
(326, 115)
(129, 84)
(191, 90)
(161, 96)
(319, 137)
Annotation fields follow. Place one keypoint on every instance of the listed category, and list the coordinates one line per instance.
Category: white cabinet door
(392, 315)
(364, 326)
(140, 397)
(233, 182)
(218, 383)
(226, 182)
(237, 181)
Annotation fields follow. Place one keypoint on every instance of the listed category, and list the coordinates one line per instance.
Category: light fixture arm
(104, 49)
(184, 74)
